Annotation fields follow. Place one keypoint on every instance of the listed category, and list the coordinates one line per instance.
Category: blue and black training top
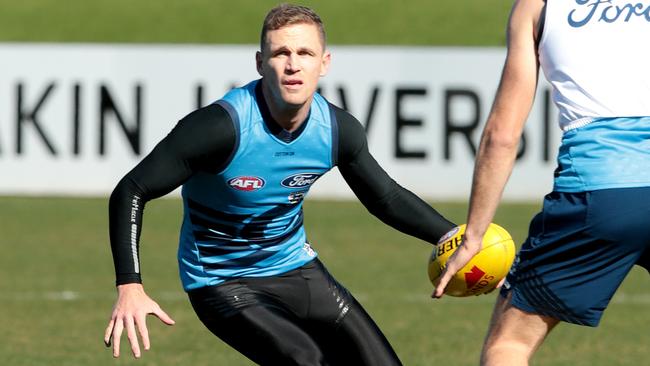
(244, 179)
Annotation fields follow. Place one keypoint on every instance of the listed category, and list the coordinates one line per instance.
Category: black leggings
(302, 317)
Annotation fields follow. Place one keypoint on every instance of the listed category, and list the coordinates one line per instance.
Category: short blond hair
(289, 14)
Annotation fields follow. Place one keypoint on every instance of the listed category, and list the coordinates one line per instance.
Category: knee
(514, 335)
(304, 356)
(506, 352)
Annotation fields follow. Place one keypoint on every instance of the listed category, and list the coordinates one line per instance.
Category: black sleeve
(202, 141)
(377, 191)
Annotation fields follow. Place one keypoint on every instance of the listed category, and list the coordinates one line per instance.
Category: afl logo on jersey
(246, 183)
(301, 180)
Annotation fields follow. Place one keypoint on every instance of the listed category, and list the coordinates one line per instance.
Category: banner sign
(75, 118)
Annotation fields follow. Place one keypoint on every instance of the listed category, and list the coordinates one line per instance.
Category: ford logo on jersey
(300, 180)
(246, 183)
(608, 13)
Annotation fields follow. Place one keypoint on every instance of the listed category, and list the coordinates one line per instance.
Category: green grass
(56, 272)
(56, 290)
(413, 22)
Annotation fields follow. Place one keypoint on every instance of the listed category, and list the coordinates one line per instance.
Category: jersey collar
(273, 126)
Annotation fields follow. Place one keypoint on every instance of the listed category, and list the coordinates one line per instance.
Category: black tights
(303, 317)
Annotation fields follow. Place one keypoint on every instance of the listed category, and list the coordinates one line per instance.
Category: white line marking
(173, 296)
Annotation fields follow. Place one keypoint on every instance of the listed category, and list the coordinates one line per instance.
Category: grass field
(413, 22)
(56, 290)
(56, 273)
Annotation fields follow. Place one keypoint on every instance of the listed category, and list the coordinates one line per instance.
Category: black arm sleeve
(378, 192)
(202, 141)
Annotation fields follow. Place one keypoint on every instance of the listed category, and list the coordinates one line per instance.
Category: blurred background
(88, 87)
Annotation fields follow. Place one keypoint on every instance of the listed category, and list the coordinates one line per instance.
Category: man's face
(291, 62)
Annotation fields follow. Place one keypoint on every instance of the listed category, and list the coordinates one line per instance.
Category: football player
(246, 163)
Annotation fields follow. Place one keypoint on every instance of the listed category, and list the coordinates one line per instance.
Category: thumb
(164, 317)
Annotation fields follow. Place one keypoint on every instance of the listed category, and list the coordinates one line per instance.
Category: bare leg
(514, 335)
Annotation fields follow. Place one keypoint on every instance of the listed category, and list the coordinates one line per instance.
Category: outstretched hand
(465, 252)
(130, 312)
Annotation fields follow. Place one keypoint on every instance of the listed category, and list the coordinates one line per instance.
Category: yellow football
(484, 271)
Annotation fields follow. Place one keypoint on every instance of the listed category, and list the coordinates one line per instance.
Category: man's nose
(293, 63)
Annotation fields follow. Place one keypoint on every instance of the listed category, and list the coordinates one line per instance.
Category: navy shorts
(579, 250)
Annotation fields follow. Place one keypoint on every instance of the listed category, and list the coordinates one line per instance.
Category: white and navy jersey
(244, 180)
(595, 54)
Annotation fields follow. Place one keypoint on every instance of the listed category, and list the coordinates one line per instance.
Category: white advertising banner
(75, 118)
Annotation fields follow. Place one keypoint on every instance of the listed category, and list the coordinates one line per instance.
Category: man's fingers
(440, 289)
(454, 264)
(163, 316)
(133, 337)
(141, 323)
(442, 284)
(107, 333)
(130, 315)
(117, 334)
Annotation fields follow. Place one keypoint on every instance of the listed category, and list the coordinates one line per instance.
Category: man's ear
(325, 63)
(258, 62)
